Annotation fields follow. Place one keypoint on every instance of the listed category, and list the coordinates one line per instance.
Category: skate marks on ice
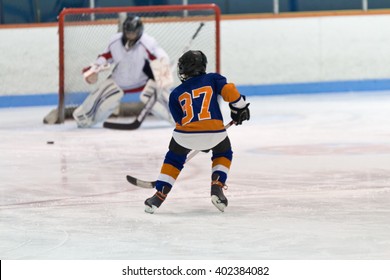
(310, 180)
(327, 149)
(31, 243)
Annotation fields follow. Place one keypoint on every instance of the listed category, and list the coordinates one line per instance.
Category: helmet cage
(133, 25)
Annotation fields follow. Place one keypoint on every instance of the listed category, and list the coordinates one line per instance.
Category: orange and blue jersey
(194, 104)
(199, 125)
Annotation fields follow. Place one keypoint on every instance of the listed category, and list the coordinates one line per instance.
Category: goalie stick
(148, 106)
(138, 120)
(188, 46)
(151, 184)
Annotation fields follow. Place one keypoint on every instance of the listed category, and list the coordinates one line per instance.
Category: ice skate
(154, 202)
(217, 197)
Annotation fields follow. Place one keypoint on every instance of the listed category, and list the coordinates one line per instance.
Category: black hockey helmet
(191, 63)
(133, 28)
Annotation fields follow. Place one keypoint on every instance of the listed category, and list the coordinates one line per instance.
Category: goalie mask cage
(84, 34)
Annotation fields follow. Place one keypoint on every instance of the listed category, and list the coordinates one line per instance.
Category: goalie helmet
(191, 63)
(133, 29)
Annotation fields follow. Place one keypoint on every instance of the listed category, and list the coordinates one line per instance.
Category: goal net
(84, 34)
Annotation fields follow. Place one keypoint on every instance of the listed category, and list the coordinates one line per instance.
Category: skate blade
(217, 203)
(149, 209)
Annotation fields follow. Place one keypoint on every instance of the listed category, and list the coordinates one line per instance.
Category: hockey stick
(188, 46)
(194, 153)
(151, 184)
(148, 106)
(139, 119)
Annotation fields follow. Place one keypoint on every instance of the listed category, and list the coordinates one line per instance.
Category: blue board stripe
(249, 90)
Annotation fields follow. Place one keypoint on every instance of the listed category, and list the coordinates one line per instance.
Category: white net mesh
(86, 35)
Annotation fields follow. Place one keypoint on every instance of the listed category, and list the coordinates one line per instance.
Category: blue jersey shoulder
(214, 81)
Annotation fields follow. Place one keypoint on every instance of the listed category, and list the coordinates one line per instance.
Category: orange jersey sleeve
(230, 93)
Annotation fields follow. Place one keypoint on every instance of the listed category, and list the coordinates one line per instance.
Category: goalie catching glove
(239, 111)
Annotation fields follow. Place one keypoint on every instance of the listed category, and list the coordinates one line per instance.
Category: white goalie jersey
(134, 68)
(129, 63)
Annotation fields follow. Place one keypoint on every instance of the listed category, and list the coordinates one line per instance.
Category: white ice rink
(310, 180)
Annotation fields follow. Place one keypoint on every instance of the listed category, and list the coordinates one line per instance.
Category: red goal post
(84, 33)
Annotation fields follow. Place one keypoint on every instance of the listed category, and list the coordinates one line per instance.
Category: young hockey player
(140, 64)
(199, 126)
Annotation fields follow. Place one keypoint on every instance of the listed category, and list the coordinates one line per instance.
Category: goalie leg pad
(148, 92)
(99, 105)
(161, 111)
(160, 108)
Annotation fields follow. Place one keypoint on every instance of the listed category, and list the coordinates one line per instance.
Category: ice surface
(310, 179)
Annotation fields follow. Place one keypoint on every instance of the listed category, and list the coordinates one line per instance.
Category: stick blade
(52, 117)
(122, 126)
(140, 183)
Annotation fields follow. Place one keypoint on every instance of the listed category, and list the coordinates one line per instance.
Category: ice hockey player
(199, 126)
(140, 64)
